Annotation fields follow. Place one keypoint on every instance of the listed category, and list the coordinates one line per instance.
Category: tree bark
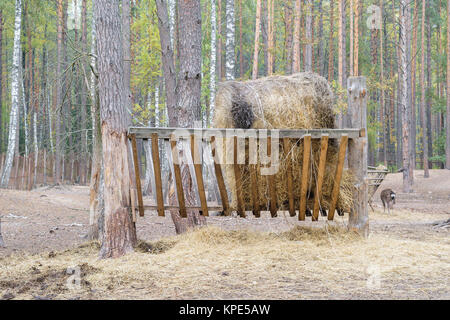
(14, 115)
(119, 236)
(212, 68)
(188, 102)
(1, 83)
(309, 27)
(331, 44)
(296, 38)
(447, 141)
(256, 45)
(423, 98)
(407, 183)
(229, 54)
(168, 64)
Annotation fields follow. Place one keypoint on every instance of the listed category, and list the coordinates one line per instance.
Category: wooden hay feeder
(200, 148)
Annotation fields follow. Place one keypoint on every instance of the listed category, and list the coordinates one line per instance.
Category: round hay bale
(299, 101)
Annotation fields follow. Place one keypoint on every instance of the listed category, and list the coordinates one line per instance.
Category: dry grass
(304, 262)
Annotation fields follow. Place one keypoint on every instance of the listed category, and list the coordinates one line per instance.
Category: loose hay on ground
(217, 264)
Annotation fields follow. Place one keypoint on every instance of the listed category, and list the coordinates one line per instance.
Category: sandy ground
(41, 229)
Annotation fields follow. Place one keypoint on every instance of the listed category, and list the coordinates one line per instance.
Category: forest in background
(400, 46)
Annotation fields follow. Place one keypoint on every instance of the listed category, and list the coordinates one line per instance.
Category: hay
(299, 101)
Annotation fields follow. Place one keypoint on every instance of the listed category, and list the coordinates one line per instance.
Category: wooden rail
(290, 139)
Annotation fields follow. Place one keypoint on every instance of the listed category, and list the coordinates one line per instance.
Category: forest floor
(405, 256)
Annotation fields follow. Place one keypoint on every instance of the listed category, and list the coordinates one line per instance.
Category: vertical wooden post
(238, 180)
(157, 171)
(289, 177)
(273, 206)
(220, 180)
(357, 154)
(177, 173)
(198, 173)
(338, 176)
(304, 176)
(138, 177)
(320, 176)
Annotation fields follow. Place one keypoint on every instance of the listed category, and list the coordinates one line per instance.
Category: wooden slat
(199, 175)
(338, 176)
(177, 173)
(272, 183)
(254, 181)
(304, 177)
(219, 177)
(238, 180)
(165, 133)
(289, 178)
(157, 171)
(320, 175)
(138, 177)
(170, 207)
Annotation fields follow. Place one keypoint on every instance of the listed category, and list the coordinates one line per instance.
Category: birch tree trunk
(14, 115)
(256, 46)
(119, 235)
(229, 46)
(212, 67)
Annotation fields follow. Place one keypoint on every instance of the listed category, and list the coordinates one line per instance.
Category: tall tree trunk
(422, 98)
(321, 59)
(189, 100)
(219, 42)
(84, 134)
(331, 44)
(241, 43)
(296, 38)
(126, 16)
(352, 34)
(168, 64)
(447, 141)
(96, 206)
(119, 236)
(269, 37)
(288, 37)
(429, 85)
(58, 101)
(256, 45)
(356, 39)
(413, 78)
(212, 68)
(411, 109)
(229, 54)
(308, 27)
(407, 183)
(382, 97)
(14, 114)
(1, 83)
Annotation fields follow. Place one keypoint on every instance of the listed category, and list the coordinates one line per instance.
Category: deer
(387, 196)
